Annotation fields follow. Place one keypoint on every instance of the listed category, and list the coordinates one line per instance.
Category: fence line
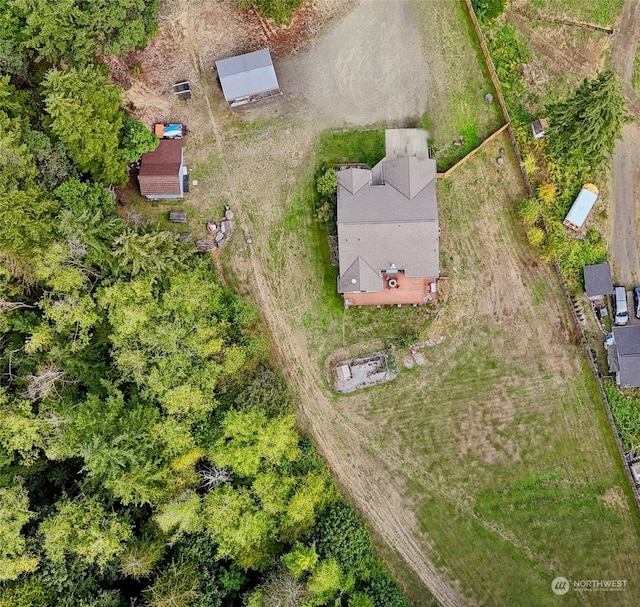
(565, 289)
(596, 373)
(472, 152)
(498, 88)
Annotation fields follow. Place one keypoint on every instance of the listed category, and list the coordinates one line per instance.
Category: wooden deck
(408, 291)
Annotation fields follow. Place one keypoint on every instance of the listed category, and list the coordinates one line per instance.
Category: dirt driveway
(367, 69)
(623, 239)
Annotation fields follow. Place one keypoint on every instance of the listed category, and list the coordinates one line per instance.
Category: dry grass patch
(562, 56)
(501, 434)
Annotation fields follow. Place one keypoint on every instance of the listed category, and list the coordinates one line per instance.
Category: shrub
(530, 211)
(326, 205)
(509, 50)
(341, 535)
(280, 11)
(486, 10)
(327, 183)
(626, 413)
(384, 590)
(536, 237)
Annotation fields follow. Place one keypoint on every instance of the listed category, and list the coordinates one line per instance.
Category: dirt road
(623, 239)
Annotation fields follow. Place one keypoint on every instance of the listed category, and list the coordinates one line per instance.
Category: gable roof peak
(409, 174)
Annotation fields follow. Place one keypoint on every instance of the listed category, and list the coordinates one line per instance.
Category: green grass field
(599, 12)
(459, 81)
(501, 435)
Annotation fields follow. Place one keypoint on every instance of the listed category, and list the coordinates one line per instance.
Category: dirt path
(623, 240)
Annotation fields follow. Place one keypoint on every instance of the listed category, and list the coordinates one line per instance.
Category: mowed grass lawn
(500, 435)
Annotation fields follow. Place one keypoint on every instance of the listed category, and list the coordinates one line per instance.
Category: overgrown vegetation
(582, 132)
(148, 451)
(486, 10)
(280, 11)
(509, 50)
(574, 150)
(625, 408)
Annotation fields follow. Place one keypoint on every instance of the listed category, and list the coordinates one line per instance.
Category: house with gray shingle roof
(388, 232)
(624, 356)
(597, 281)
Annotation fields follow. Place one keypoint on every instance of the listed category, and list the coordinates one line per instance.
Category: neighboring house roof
(247, 75)
(597, 280)
(390, 221)
(627, 343)
(160, 170)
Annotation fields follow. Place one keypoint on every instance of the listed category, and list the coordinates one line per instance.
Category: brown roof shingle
(160, 170)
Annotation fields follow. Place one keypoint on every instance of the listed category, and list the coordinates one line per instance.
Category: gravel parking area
(367, 69)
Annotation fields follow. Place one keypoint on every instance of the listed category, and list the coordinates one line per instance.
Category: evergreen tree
(85, 115)
(583, 128)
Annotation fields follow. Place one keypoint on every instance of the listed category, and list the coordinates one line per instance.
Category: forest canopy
(148, 449)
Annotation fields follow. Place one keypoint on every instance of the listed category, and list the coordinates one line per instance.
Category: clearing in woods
(488, 471)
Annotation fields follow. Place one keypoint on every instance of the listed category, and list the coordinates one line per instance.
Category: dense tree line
(148, 452)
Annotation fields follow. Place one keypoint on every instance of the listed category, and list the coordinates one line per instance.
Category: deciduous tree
(300, 559)
(176, 586)
(236, 523)
(14, 514)
(250, 442)
(85, 527)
